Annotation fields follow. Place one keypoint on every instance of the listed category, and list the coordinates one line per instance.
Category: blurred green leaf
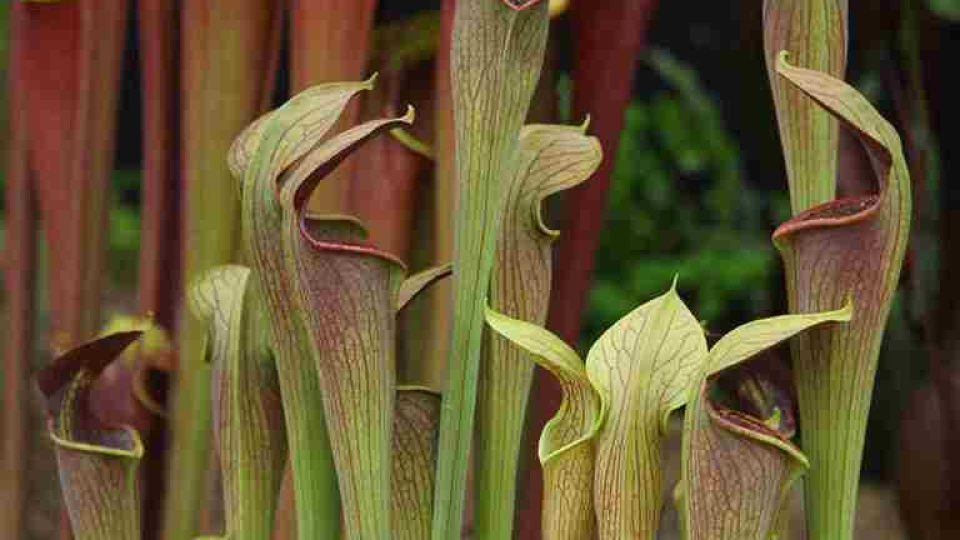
(948, 9)
(678, 204)
(123, 248)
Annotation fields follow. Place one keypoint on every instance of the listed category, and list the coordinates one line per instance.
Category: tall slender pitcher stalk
(846, 249)
(498, 50)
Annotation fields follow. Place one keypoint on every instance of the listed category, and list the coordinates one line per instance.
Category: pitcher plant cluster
(302, 338)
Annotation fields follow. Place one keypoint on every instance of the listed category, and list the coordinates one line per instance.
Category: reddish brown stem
(159, 285)
(70, 109)
(70, 54)
(50, 111)
(159, 280)
(20, 269)
(436, 326)
(608, 37)
(385, 199)
(330, 41)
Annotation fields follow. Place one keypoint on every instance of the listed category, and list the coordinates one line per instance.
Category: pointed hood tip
(93, 355)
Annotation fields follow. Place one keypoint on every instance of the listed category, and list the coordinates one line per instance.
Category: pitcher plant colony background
(479, 269)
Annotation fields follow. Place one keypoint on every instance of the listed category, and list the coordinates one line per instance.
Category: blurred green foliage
(4, 32)
(678, 205)
(948, 9)
(123, 247)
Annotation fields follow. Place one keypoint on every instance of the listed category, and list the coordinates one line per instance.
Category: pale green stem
(815, 34)
(496, 60)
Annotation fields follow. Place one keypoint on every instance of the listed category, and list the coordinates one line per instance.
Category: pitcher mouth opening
(355, 247)
(830, 214)
(738, 413)
(742, 420)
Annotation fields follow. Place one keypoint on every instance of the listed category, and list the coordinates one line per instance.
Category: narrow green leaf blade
(495, 63)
